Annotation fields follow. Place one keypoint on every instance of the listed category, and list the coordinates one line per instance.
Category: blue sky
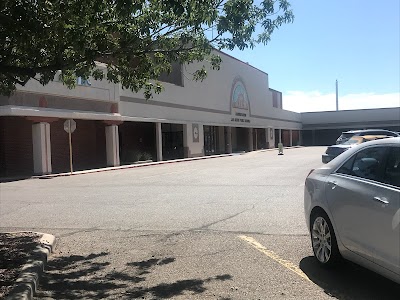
(354, 41)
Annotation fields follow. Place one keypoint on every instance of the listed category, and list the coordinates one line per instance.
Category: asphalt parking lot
(223, 228)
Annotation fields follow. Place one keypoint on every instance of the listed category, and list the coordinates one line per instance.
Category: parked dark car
(346, 135)
(335, 150)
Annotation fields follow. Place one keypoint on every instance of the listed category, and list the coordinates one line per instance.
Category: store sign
(239, 102)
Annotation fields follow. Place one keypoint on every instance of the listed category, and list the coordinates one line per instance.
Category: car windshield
(347, 135)
(354, 140)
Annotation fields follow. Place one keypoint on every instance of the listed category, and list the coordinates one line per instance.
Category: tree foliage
(137, 39)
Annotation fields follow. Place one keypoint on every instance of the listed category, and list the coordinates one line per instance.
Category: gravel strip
(15, 250)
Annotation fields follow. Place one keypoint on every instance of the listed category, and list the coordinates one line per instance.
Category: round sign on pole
(69, 126)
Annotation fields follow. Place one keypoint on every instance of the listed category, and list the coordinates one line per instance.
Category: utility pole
(337, 96)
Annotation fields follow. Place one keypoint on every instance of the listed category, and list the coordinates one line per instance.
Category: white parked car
(352, 208)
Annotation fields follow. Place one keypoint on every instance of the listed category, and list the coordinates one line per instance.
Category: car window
(374, 132)
(347, 135)
(353, 140)
(390, 133)
(392, 169)
(367, 164)
(387, 133)
(347, 167)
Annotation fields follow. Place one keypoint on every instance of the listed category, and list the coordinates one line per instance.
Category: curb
(133, 166)
(28, 281)
(156, 163)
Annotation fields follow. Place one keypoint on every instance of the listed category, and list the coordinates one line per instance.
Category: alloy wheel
(321, 240)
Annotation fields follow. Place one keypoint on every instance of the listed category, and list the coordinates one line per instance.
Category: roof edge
(241, 61)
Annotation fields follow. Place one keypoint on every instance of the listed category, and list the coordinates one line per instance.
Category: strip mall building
(233, 110)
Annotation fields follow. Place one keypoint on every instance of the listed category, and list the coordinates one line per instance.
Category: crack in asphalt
(206, 226)
(78, 231)
(151, 232)
(172, 184)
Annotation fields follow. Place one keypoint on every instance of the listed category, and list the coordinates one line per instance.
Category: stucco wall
(99, 90)
(205, 102)
(209, 101)
(365, 118)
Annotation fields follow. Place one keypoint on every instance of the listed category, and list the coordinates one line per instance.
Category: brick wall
(16, 150)
(88, 146)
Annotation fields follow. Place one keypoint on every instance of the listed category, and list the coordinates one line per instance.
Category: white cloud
(300, 101)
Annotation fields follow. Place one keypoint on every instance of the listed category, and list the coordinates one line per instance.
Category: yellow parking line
(287, 264)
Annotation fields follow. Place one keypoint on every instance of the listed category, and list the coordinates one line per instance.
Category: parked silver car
(352, 208)
(346, 135)
(335, 150)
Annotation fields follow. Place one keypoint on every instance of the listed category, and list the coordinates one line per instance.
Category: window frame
(382, 167)
(390, 149)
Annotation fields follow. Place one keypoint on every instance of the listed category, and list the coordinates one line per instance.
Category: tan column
(271, 138)
(250, 139)
(228, 140)
(112, 146)
(266, 138)
(221, 139)
(291, 137)
(41, 148)
(159, 141)
(300, 137)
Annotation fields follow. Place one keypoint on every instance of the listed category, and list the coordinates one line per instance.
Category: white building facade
(232, 110)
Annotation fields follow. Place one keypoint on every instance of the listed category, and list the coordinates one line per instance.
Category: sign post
(69, 127)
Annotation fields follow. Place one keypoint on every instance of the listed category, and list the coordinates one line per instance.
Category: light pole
(337, 95)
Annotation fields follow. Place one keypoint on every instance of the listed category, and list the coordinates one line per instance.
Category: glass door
(210, 140)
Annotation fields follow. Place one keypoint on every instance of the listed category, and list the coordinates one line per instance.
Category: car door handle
(333, 184)
(382, 200)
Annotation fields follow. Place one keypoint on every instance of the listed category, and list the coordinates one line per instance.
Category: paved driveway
(224, 228)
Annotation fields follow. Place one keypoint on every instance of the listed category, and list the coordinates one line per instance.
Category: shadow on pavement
(350, 281)
(12, 179)
(92, 277)
(15, 250)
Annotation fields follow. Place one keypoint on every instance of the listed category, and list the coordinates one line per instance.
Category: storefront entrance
(137, 141)
(259, 139)
(240, 139)
(211, 140)
(172, 141)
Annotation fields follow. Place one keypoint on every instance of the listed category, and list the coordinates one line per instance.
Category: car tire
(323, 240)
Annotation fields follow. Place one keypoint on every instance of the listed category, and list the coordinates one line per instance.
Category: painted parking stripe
(272, 255)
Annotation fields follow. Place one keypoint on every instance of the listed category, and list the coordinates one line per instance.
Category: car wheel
(323, 240)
